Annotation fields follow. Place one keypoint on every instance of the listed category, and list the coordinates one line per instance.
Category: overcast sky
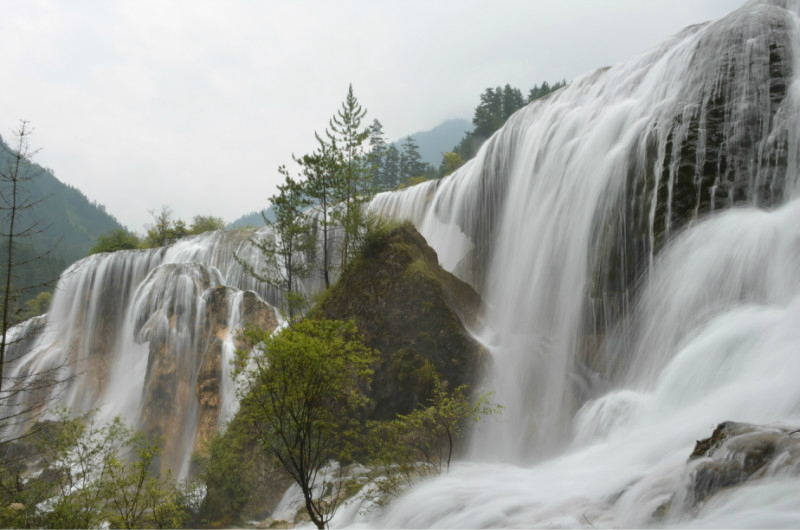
(194, 104)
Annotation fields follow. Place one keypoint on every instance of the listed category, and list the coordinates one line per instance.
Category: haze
(195, 104)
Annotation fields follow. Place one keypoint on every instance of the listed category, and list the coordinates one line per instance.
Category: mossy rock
(414, 313)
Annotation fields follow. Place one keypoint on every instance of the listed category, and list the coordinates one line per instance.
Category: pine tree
(411, 164)
(391, 167)
(377, 151)
(512, 101)
(322, 188)
(347, 137)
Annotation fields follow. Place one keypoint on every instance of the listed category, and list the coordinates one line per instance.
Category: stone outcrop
(414, 313)
(739, 452)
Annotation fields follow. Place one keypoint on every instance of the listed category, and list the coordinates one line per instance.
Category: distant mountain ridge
(68, 225)
(433, 142)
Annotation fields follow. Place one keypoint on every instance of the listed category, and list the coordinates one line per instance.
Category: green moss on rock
(413, 312)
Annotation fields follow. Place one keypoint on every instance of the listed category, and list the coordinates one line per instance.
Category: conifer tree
(322, 189)
(347, 137)
(411, 164)
(377, 151)
(391, 167)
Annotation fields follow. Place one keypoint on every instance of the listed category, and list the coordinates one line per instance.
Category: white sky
(194, 104)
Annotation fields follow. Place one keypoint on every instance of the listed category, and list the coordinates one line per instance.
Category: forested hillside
(64, 224)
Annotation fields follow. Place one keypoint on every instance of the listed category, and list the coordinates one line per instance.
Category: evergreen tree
(512, 101)
(545, 88)
(391, 167)
(488, 115)
(322, 189)
(347, 137)
(377, 150)
(411, 164)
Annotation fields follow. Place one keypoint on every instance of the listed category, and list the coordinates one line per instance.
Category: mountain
(432, 144)
(252, 219)
(440, 139)
(67, 224)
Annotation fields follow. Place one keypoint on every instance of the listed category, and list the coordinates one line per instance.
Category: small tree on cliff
(305, 400)
(348, 138)
(283, 249)
(322, 188)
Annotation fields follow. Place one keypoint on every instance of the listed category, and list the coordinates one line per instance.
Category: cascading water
(148, 335)
(635, 238)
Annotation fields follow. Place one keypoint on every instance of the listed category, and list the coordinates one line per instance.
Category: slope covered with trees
(67, 224)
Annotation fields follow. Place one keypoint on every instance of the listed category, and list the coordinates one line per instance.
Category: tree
(119, 239)
(206, 223)
(165, 230)
(17, 175)
(512, 101)
(539, 91)
(421, 444)
(347, 137)
(322, 189)
(450, 162)
(377, 150)
(391, 167)
(284, 247)
(87, 475)
(13, 194)
(410, 160)
(306, 398)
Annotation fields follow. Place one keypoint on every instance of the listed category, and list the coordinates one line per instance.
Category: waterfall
(148, 335)
(635, 238)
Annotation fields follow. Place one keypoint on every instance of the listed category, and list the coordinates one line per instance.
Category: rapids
(636, 239)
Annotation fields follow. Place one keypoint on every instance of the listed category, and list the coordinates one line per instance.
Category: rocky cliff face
(414, 313)
(147, 335)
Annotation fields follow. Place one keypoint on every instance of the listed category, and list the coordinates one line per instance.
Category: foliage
(119, 239)
(323, 189)
(226, 470)
(450, 162)
(85, 475)
(306, 391)
(391, 168)
(495, 107)
(39, 305)
(284, 247)
(20, 236)
(411, 164)
(347, 138)
(413, 181)
(421, 444)
(206, 223)
(545, 88)
(66, 223)
(165, 230)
